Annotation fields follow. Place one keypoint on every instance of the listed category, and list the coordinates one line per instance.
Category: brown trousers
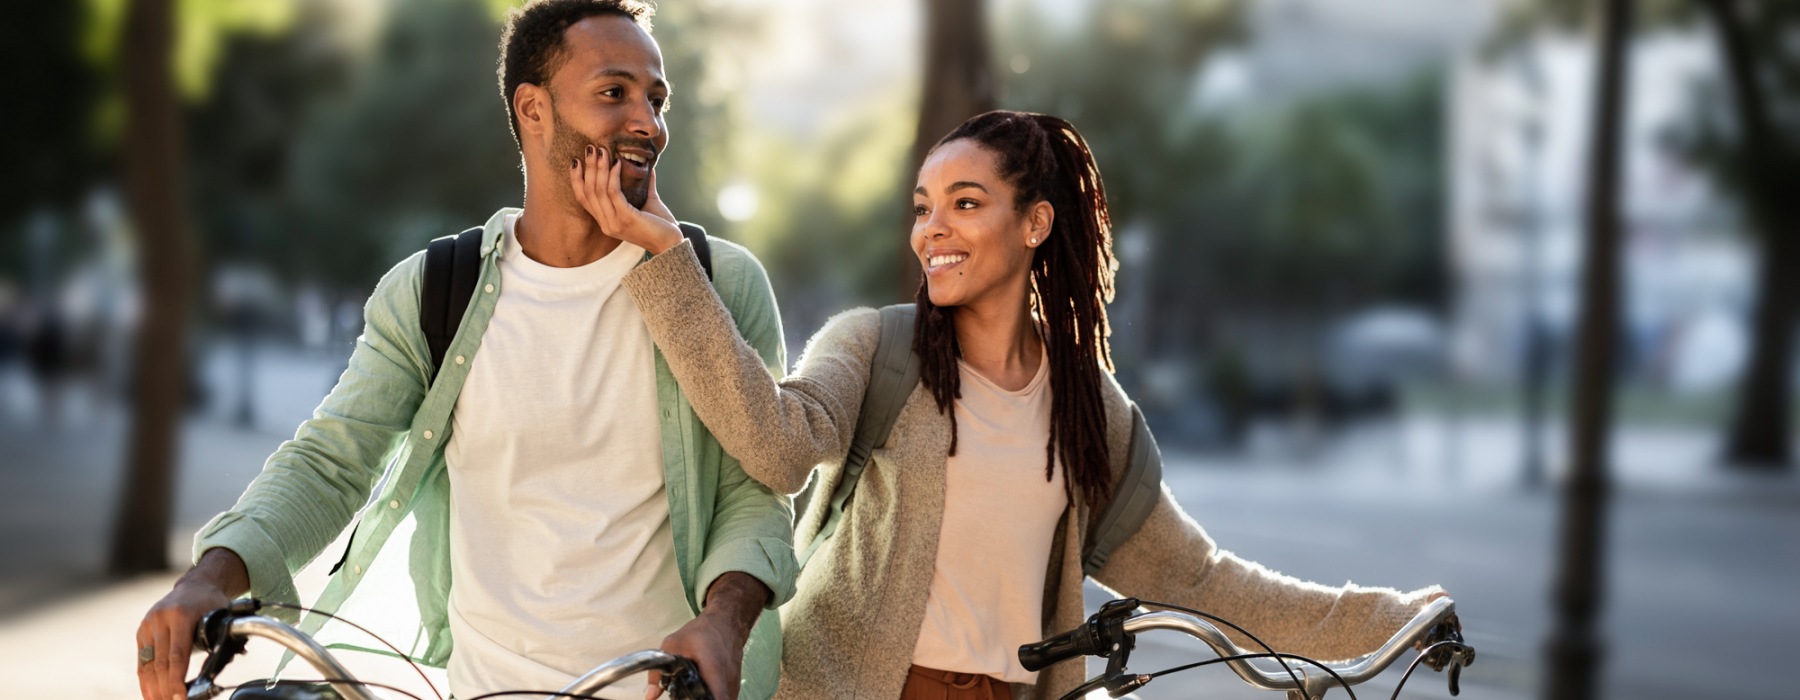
(931, 684)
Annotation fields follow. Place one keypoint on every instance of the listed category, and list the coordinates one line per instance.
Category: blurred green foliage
(1263, 209)
(1713, 139)
(833, 208)
(414, 147)
(333, 162)
(1344, 188)
(326, 154)
(43, 133)
(206, 29)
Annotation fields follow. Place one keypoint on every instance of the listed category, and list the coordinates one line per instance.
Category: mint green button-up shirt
(382, 430)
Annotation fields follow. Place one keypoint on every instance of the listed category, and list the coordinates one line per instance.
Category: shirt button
(489, 289)
(356, 569)
(394, 504)
(459, 359)
(427, 435)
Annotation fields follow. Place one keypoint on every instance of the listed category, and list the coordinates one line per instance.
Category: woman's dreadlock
(1045, 159)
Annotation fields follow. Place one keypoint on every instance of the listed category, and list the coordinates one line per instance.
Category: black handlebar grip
(1062, 647)
(683, 681)
(213, 629)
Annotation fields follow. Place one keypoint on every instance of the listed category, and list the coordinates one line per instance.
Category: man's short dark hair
(532, 41)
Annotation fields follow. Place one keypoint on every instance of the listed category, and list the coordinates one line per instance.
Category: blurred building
(871, 48)
(1520, 121)
(1302, 47)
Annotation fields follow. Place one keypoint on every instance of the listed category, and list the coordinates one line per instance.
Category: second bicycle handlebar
(1104, 634)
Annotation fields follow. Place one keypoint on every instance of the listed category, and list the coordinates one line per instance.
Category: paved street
(1700, 602)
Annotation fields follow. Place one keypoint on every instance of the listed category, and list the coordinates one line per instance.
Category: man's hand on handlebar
(165, 637)
(715, 640)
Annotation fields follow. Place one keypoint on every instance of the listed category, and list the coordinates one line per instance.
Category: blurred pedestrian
(47, 356)
(11, 340)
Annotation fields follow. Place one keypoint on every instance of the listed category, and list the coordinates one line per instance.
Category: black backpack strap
(452, 266)
(1134, 496)
(697, 236)
(892, 377)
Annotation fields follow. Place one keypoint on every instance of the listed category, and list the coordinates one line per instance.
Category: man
(558, 478)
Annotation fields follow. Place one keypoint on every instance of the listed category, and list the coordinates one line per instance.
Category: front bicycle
(1112, 633)
(223, 633)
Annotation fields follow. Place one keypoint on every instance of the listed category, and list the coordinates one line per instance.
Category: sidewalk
(82, 648)
(1434, 455)
(60, 478)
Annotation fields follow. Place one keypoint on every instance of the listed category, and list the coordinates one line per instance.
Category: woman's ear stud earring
(1034, 240)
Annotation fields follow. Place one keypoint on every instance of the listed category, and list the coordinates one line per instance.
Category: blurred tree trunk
(153, 173)
(958, 84)
(1759, 434)
(1574, 648)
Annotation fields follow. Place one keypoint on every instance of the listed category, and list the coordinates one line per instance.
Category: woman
(963, 540)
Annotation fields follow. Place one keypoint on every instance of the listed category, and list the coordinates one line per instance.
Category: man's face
(608, 90)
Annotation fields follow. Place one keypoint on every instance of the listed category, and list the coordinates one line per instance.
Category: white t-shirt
(561, 551)
(1000, 515)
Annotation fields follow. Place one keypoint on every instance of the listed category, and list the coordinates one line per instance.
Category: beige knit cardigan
(850, 629)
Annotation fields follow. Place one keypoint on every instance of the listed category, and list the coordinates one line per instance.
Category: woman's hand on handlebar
(167, 631)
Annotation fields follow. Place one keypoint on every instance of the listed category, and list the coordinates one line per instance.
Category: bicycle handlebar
(223, 632)
(1110, 631)
(244, 627)
(682, 676)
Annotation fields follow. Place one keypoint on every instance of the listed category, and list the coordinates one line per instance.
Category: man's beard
(569, 145)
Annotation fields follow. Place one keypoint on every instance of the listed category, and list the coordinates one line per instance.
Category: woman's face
(971, 238)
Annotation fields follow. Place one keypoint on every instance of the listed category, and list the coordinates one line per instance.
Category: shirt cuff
(269, 577)
(766, 559)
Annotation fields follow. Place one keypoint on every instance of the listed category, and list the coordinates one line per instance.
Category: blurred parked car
(1360, 366)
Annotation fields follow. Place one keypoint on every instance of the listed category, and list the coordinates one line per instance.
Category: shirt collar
(493, 234)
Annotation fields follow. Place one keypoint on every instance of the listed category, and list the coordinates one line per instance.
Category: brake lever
(1120, 681)
(1104, 635)
(684, 683)
(1449, 630)
(1455, 655)
(214, 635)
(1463, 658)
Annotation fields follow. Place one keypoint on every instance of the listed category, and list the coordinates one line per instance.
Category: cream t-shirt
(1000, 515)
(561, 551)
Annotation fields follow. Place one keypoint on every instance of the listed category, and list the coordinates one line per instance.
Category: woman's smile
(941, 261)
